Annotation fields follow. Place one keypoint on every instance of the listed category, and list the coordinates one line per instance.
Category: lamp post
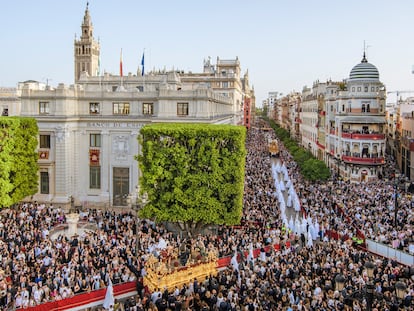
(400, 289)
(369, 266)
(369, 292)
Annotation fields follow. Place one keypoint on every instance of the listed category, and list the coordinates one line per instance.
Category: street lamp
(369, 266)
(400, 289)
(368, 293)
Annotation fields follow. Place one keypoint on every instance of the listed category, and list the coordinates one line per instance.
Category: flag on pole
(120, 66)
(109, 296)
(142, 64)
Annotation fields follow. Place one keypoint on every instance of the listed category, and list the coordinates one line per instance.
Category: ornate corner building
(342, 123)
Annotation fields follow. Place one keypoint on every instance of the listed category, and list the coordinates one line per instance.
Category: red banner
(94, 157)
(96, 297)
(43, 154)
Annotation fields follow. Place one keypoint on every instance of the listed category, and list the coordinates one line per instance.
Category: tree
(314, 170)
(193, 174)
(18, 159)
(311, 168)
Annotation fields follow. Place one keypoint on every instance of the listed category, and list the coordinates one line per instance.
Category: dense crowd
(300, 276)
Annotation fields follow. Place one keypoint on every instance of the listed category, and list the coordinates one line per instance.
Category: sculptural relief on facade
(61, 133)
(120, 147)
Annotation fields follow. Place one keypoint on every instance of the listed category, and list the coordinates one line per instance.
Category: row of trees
(18, 159)
(310, 167)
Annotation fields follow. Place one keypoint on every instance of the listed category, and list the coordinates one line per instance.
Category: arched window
(375, 151)
(365, 151)
(355, 150)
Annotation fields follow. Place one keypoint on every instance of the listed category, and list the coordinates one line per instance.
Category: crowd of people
(299, 276)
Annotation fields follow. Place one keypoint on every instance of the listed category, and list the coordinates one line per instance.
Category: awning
(362, 119)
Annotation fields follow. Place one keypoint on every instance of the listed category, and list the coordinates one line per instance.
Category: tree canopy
(193, 173)
(310, 167)
(18, 159)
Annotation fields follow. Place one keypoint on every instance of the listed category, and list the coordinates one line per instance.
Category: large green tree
(18, 159)
(193, 174)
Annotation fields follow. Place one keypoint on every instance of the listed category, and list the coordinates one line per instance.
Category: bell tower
(86, 49)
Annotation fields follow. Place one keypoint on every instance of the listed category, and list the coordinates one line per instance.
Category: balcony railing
(363, 136)
(363, 160)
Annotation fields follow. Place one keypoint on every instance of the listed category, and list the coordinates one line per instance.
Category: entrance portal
(121, 186)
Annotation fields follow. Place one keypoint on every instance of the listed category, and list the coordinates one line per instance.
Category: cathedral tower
(86, 50)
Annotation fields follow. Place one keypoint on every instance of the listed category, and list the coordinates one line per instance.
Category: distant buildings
(342, 123)
(402, 140)
(88, 131)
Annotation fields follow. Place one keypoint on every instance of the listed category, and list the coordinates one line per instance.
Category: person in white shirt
(18, 301)
(37, 294)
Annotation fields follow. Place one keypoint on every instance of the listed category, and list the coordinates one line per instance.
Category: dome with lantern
(364, 71)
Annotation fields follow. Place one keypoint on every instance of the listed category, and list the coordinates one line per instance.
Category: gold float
(165, 274)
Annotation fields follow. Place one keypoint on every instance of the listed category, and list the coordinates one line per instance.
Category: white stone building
(309, 117)
(89, 130)
(343, 123)
(360, 124)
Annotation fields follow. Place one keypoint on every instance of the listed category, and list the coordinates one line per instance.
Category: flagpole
(121, 69)
(143, 69)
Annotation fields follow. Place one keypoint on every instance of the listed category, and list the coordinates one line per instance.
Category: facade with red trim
(343, 123)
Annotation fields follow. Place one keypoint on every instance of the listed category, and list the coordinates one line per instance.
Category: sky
(284, 45)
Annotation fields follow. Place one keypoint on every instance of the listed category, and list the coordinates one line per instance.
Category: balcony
(363, 136)
(363, 160)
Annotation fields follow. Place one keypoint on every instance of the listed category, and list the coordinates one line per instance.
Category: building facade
(360, 124)
(343, 123)
(309, 117)
(9, 101)
(89, 130)
(404, 154)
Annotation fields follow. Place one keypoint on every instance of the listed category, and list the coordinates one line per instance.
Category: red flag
(120, 66)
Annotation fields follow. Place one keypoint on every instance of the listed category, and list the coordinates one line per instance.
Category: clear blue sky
(284, 45)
